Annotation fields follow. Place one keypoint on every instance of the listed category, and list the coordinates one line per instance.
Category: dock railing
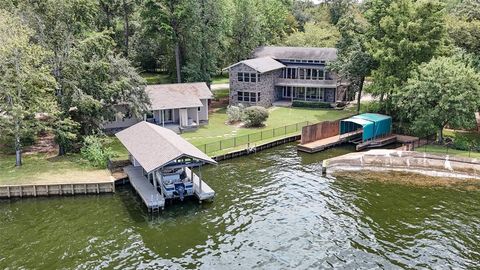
(245, 140)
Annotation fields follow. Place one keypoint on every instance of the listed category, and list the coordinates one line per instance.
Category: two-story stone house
(285, 74)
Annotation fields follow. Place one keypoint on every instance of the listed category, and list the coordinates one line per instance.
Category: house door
(168, 114)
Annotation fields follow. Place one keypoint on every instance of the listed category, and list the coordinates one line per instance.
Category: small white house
(182, 105)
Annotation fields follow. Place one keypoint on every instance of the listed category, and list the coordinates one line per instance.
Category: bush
(94, 151)
(254, 116)
(311, 104)
(234, 113)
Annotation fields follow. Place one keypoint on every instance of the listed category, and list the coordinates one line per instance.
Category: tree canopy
(441, 92)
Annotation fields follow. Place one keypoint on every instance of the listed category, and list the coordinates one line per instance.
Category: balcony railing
(305, 82)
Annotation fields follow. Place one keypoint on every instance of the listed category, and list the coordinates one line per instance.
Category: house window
(287, 92)
(313, 93)
(253, 97)
(314, 74)
(198, 109)
(253, 77)
(258, 99)
(246, 77)
(240, 76)
(240, 96)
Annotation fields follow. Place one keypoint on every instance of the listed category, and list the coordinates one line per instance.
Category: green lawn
(220, 79)
(156, 78)
(40, 168)
(219, 94)
(279, 116)
(440, 149)
(217, 129)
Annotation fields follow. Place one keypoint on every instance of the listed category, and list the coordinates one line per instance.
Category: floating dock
(323, 144)
(147, 192)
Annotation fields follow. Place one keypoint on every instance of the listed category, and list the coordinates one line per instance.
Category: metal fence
(430, 145)
(251, 138)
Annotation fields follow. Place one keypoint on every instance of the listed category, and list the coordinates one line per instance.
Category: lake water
(273, 210)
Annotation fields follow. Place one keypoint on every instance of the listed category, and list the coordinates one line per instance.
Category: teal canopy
(374, 125)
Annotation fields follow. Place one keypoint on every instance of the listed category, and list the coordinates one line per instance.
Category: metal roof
(178, 95)
(262, 65)
(374, 117)
(154, 146)
(296, 53)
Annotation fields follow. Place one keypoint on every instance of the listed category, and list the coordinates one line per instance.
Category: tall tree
(207, 34)
(402, 35)
(338, 9)
(169, 18)
(26, 86)
(354, 62)
(442, 92)
(246, 30)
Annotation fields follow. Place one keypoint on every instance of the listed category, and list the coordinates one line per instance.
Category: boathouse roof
(262, 65)
(374, 125)
(153, 146)
(178, 95)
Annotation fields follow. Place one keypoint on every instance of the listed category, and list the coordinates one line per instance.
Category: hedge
(311, 104)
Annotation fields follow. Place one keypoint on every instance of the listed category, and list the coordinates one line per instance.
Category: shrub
(234, 113)
(311, 104)
(94, 151)
(254, 116)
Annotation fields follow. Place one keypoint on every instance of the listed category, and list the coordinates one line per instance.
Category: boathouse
(162, 165)
(373, 125)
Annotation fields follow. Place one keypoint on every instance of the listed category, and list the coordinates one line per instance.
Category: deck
(151, 197)
(323, 144)
(206, 193)
(376, 143)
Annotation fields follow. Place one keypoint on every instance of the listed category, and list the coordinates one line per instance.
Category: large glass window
(240, 96)
(312, 93)
(253, 77)
(240, 76)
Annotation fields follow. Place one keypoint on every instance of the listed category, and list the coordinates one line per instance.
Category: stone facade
(330, 95)
(265, 86)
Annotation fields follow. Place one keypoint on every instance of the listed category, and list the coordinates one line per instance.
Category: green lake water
(273, 210)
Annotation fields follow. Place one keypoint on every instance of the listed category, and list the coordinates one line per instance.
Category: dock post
(34, 190)
(8, 192)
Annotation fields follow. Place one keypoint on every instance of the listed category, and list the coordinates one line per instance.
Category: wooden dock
(323, 144)
(147, 192)
(203, 193)
(378, 142)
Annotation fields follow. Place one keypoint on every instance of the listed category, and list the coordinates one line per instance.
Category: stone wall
(330, 95)
(266, 86)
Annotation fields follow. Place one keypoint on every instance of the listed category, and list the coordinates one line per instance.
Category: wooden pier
(201, 189)
(320, 145)
(56, 189)
(147, 192)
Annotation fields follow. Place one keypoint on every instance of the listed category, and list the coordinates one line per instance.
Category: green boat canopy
(374, 125)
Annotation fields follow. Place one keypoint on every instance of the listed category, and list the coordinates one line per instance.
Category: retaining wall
(9, 191)
(405, 161)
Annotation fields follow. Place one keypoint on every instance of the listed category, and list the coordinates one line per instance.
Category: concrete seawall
(405, 161)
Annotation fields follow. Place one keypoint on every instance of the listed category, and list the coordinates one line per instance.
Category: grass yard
(156, 78)
(279, 116)
(219, 94)
(443, 150)
(217, 129)
(43, 169)
(220, 79)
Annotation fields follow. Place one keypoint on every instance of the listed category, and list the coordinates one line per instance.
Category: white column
(198, 123)
(173, 115)
(163, 117)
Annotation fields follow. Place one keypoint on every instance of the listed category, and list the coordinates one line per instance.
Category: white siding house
(181, 105)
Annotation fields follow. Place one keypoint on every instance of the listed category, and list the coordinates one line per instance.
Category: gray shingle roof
(262, 65)
(300, 53)
(154, 146)
(178, 95)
